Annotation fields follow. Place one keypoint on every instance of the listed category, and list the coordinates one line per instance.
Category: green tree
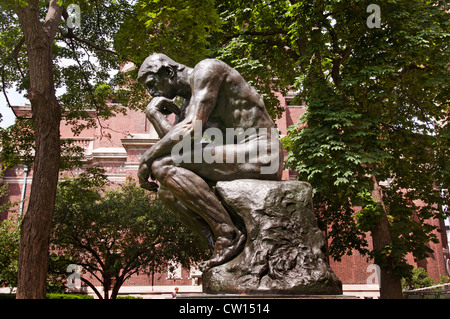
(377, 110)
(9, 237)
(181, 29)
(115, 233)
(38, 38)
(418, 279)
(33, 39)
(40, 51)
(9, 250)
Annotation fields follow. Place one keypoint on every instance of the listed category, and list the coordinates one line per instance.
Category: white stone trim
(361, 290)
(110, 153)
(150, 292)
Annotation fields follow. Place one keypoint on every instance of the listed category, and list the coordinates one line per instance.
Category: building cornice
(138, 141)
(109, 153)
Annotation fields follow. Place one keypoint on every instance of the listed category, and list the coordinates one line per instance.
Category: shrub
(419, 279)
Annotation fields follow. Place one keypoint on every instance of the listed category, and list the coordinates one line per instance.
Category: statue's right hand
(143, 175)
(164, 105)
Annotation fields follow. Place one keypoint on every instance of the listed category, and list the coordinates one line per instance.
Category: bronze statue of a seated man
(217, 100)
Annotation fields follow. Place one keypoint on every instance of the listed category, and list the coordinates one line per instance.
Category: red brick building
(118, 147)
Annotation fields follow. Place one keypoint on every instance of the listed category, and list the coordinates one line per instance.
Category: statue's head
(158, 73)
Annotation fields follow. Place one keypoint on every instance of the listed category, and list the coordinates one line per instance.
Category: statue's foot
(226, 248)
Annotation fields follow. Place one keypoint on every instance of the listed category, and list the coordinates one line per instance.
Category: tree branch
(71, 35)
(52, 19)
(89, 249)
(87, 282)
(262, 33)
(289, 52)
(14, 53)
(12, 56)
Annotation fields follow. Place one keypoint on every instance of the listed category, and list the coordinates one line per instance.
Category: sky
(15, 98)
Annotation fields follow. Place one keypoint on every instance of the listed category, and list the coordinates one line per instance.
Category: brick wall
(118, 144)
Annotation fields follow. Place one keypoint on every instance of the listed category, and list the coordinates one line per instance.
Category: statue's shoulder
(210, 65)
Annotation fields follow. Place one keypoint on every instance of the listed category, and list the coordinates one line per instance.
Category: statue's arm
(156, 113)
(207, 79)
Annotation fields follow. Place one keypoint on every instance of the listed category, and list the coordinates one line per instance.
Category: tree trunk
(106, 286)
(118, 283)
(87, 282)
(390, 285)
(35, 230)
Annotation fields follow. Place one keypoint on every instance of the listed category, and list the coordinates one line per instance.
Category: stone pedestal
(283, 253)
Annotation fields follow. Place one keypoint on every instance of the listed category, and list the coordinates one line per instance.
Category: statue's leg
(188, 217)
(193, 192)
(255, 159)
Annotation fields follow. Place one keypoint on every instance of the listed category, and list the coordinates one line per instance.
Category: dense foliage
(9, 249)
(374, 141)
(377, 111)
(113, 233)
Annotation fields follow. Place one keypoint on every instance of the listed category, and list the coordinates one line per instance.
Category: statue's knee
(161, 169)
(156, 168)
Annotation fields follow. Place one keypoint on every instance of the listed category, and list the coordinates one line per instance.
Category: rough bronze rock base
(283, 253)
